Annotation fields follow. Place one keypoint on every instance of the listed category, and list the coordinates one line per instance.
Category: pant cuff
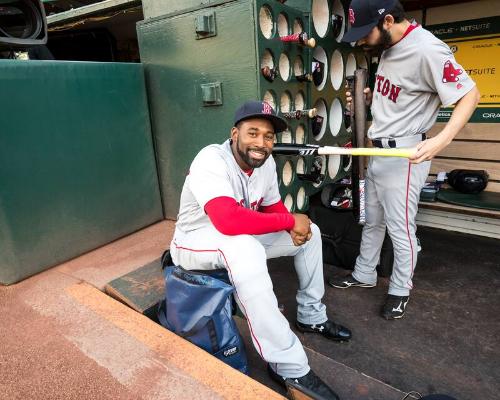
(318, 318)
(399, 292)
(369, 278)
(282, 370)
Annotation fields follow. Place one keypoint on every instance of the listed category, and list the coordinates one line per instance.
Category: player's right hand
(368, 97)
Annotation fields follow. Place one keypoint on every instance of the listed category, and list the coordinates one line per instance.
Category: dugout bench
(476, 147)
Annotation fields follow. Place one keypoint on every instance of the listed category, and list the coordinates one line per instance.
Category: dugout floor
(448, 341)
(85, 345)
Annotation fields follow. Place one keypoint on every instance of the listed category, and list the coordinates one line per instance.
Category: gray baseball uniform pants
(392, 192)
(244, 257)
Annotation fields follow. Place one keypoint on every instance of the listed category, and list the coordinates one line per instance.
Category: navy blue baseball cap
(364, 15)
(260, 109)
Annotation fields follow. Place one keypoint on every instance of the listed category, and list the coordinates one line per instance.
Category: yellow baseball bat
(368, 151)
(311, 149)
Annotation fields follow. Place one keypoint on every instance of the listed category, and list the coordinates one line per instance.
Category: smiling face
(252, 142)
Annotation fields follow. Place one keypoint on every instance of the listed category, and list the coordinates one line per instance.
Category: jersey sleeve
(209, 177)
(272, 194)
(278, 207)
(443, 75)
(229, 218)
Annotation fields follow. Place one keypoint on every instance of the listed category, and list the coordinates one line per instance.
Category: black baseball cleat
(328, 329)
(309, 384)
(395, 306)
(344, 282)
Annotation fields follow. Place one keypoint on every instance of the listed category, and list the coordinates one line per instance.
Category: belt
(393, 143)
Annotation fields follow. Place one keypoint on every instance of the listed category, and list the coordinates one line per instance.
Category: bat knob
(313, 112)
(311, 43)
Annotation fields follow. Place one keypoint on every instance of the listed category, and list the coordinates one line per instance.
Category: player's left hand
(299, 240)
(428, 149)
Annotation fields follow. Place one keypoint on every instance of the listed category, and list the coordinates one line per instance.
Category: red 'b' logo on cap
(351, 16)
(266, 108)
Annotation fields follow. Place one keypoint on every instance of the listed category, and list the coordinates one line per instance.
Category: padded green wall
(176, 65)
(77, 165)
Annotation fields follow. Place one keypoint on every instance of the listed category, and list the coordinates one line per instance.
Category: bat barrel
(298, 114)
(367, 151)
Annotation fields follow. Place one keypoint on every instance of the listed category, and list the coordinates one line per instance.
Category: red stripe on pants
(407, 222)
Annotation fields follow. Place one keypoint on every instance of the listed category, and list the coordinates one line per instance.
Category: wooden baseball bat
(299, 38)
(313, 149)
(298, 114)
(359, 133)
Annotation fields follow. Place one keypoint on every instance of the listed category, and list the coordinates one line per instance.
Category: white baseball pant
(392, 192)
(244, 257)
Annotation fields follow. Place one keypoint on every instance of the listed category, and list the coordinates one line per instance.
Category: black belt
(390, 142)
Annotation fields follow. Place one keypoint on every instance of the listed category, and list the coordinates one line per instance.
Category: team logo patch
(450, 73)
(266, 108)
(351, 16)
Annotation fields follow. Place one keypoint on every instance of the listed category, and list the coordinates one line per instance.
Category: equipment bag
(341, 237)
(199, 308)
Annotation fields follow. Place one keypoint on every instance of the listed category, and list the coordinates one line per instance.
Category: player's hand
(368, 97)
(301, 231)
(299, 240)
(302, 225)
(429, 148)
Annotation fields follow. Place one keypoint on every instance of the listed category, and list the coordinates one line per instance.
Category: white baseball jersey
(215, 173)
(414, 77)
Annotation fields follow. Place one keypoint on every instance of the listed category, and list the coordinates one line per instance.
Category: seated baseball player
(231, 216)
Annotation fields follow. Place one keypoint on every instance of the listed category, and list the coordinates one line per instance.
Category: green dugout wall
(77, 165)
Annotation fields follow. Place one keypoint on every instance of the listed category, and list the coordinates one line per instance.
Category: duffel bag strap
(166, 259)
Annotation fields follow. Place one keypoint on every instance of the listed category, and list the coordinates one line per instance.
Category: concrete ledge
(221, 379)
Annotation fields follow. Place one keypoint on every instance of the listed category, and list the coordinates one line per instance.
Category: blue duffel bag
(199, 308)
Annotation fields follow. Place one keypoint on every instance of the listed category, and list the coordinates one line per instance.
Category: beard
(247, 158)
(384, 42)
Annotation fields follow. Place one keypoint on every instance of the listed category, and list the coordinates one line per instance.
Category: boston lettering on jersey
(255, 204)
(386, 88)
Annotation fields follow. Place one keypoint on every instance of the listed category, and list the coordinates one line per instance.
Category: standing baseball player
(417, 73)
(231, 216)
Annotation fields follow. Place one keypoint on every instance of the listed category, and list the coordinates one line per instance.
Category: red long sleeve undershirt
(229, 218)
